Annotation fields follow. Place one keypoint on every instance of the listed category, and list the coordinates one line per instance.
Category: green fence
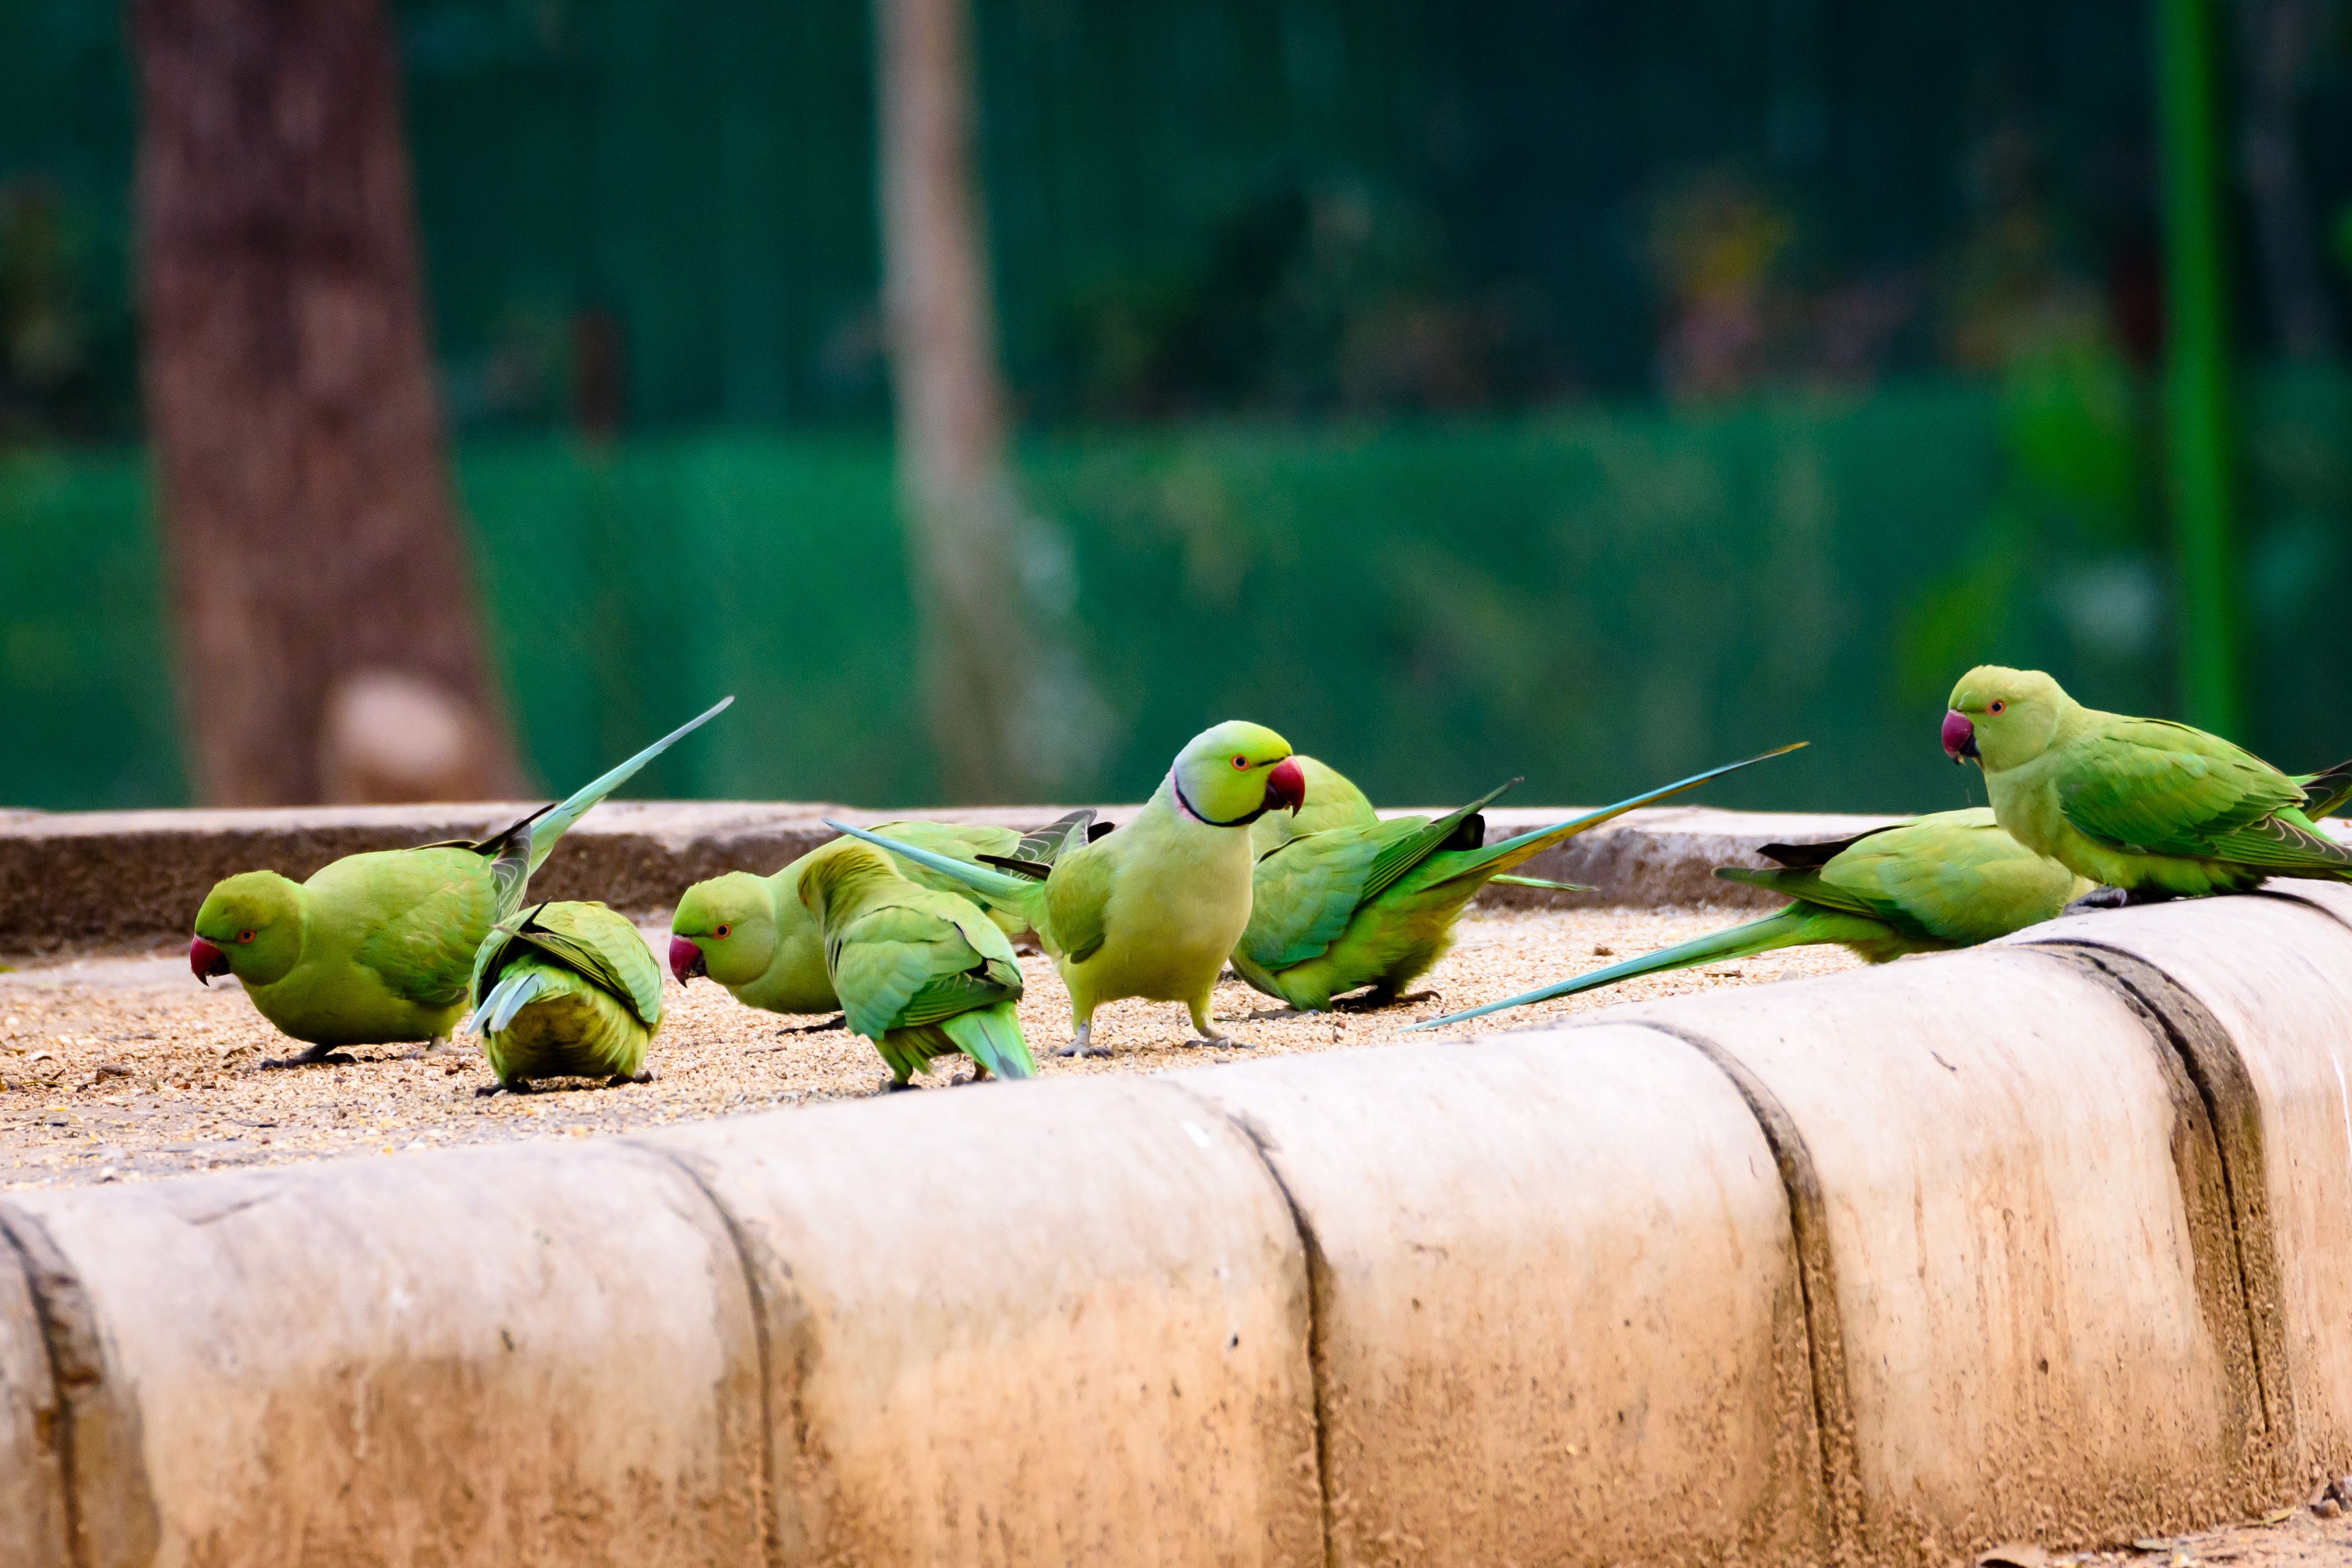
(1595, 600)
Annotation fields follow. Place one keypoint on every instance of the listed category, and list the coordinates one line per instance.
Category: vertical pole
(2200, 449)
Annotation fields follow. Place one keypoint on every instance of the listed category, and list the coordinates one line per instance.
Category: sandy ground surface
(2291, 1538)
(126, 1069)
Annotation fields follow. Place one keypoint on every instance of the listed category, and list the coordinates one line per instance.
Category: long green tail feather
(1786, 928)
(553, 824)
(1014, 893)
(992, 1036)
(1515, 852)
(1545, 882)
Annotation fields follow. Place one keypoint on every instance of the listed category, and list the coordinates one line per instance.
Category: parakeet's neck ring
(1193, 811)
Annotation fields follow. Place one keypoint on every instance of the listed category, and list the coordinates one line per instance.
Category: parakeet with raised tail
(1950, 879)
(563, 991)
(377, 947)
(921, 973)
(1375, 906)
(753, 934)
(1153, 909)
(2145, 808)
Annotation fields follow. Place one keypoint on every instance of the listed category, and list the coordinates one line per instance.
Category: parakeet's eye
(1997, 705)
(722, 931)
(1241, 761)
(245, 936)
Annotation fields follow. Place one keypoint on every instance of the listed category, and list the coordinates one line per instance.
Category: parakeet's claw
(2100, 898)
(1369, 1001)
(839, 1021)
(623, 1080)
(1082, 1044)
(893, 1085)
(318, 1055)
(1230, 1041)
(484, 1091)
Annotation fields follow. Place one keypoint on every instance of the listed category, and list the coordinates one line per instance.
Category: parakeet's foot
(2119, 898)
(1083, 1044)
(621, 1080)
(1372, 1000)
(484, 1091)
(892, 1085)
(316, 1055)
(839, 1021)
(1232, 1041)
(979, 1075)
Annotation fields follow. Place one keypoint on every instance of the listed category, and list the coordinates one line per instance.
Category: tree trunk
(963, 517)
(328, 638)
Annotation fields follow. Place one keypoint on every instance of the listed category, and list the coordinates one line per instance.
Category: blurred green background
(1580, 391)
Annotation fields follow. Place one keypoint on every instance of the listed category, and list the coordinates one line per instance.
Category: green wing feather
(601, 945)
(903, 963)
(1077, 901)
(425, 951)
(2159, 788)
(1302, 893)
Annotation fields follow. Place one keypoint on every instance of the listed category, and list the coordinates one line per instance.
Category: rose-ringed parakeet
(921, 973)
(1153, 909)
(376, 947)
(1375, 906)
(1945, 880)
(753, 936)
(2146, 808)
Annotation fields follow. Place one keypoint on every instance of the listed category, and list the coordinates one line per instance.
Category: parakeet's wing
(2165, 789)
(1078, 901)
(2324, 794)
(896, 965)
(603, 946)
(1303, 892)
(425, 951)
(1400, 854)
(1043, 846)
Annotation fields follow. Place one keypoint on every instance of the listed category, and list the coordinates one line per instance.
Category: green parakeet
(1375, 904)
(561, 990)
(1950, 879)
(1153, 909)
(921, 973)
(376, 947)
(2145, 808)
(753, 936)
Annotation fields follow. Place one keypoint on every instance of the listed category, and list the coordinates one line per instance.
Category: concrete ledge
(1557, 1310)
(2047, 1239)
(2040, 1327)
(532, 1355)
(100, 878)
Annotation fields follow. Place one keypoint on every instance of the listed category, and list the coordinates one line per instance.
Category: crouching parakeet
(2147, 808)
(568, 991)
(1950, 879)
(1153, 909)
(376, 947)
(921, 973)
(1336, 802)
(1375, 904)
(753, 936)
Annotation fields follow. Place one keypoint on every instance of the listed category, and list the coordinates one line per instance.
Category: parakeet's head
(250, 926)
(2001, 717)
(725, 928)
(1234, 773)
(828, 873)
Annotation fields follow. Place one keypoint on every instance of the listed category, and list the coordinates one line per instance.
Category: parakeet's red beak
(1960, 737)
(1286, 785)
(207, 960)
(685, 959)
